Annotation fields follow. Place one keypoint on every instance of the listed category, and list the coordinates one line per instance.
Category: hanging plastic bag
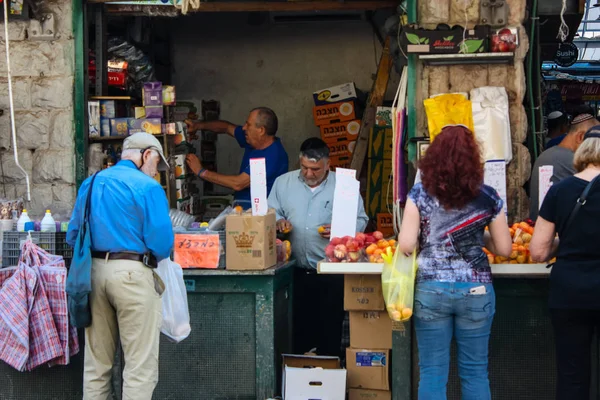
(447, 109)
(492, 122)
(176, 315)
(398, 284)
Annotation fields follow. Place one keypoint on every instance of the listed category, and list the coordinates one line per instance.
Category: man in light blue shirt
(303, 201)
(130, 230)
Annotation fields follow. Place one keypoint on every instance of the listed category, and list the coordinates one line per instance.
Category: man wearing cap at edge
(558, 125)
(130, 232)
(560, 157)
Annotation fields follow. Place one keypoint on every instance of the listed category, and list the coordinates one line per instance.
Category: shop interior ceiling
(549, 19)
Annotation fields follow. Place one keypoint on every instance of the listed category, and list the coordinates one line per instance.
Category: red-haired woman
(447, 214)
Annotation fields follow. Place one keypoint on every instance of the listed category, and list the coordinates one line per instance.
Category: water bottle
(22, 220)
(48, 223)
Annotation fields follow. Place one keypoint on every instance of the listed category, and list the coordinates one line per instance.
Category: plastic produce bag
(492, 122)
(176, 315)
(398, 284)
(447, 109)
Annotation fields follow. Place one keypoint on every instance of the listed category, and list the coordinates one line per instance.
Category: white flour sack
(491, 122)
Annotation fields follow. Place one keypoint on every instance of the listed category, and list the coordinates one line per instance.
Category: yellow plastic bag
(448, 109)
(398, 284)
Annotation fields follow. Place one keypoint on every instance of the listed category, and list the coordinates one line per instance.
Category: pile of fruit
(521, 234)
(284, 250)
(364, 247)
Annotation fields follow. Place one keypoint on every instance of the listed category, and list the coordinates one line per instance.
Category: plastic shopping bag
(176, 315)
(492, 122)
(398, 284)
(447, 109)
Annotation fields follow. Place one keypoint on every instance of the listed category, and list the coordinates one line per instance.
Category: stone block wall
(463, 78)
(42, 74)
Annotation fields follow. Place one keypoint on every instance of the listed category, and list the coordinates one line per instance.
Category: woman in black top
(575, 279)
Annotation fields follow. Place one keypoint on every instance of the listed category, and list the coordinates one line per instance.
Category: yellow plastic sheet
(398, 284)
(448, 109)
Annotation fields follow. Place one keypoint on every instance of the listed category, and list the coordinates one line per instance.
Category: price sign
(197, 251)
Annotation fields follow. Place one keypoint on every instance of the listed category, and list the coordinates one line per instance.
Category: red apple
(335, 241)
(377, 235)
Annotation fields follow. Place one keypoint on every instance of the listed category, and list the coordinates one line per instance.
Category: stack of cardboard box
(336, 114)
(368, 357)
(379, 199)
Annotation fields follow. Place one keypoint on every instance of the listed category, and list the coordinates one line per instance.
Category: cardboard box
(426, 41)
(334, 112)
(381, 144)
(152, 94)
(368, 369)
(108, 109)
(168, 95)
(370, 330)
(335, 94)
(385, 224)
(341, 149)
(120, 126)
(148, 125)
(340, 162)
(104, 126)
(342, 131)
(367, 394)
(313, 377)
(363, 292)
(250, 241)
(94, 127)
(181, 170)
(154, 112)
(383, 117)
(379, 195)
(140, 112)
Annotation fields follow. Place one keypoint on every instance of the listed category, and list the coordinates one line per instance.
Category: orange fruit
(521, 258)
(382, 244)
(371, 249)
(490, 259)
(406, 313)
(392, 242)
(378, 252)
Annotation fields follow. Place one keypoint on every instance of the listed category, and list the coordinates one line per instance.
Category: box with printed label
(380, 190)
(363, 292)
(335, 94)
(139, 112)
(94, 127)
(342, 131)
(368, 394)
(152, 94)
(334, 112)
(148, 125)
(108, 109)
(368, 369)
(154, 111)
(181, 170)
(340, 162)
(383, 117)
(385, 224)
(341, 149)
(370, 330)
(381, 144)
(120, 126)
(168, 95)
(313, 377)
(250, 241)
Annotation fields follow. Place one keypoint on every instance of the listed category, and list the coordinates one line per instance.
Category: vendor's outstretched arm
(213, 126)
(235, 182)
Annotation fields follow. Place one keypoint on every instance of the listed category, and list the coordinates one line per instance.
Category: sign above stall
(566, 54)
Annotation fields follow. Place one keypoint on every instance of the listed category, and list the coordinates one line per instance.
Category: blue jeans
(443, 310)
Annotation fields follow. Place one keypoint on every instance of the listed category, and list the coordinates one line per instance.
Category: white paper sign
(258, 186)
(545, 181)
(494, 175)
(345, 203)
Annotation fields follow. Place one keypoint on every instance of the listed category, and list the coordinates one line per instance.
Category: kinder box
(313, 377)
(370, 330)
(148, 125)
(342, 131)
(385, 224)
(335, 94)
(334, 112)
(368, 369)
(366, 394)
(363, 292)
(250, 241)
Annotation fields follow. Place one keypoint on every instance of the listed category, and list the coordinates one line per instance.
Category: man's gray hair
(267, 119)
(135, 155)
(314, 149)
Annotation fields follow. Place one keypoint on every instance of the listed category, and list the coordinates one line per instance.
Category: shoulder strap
(580, 202)
(86, 211)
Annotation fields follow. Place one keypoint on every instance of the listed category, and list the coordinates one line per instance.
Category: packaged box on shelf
(180, 133)
(251, 241)
(367, 394)
(370, 330)
(313, 377)
(380, 192)
(148, 125)
(334, 112)
(363, 292)
(368, 369)
(120, 126)
(152, 94)
(108, 109)
(168, 95)
(169, 128)
(94, 127)
(341, 149)
(344, 131)
(381, 143)
(154, 111)
(335, 94)
(180, 170)
(425, 41)
(140, 112)
(104, 126)
(383, 117)
(385, 224)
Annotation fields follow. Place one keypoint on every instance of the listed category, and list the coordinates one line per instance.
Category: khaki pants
(126, 306)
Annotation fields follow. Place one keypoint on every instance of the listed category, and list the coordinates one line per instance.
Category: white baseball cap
(555, 114)
(143, 141)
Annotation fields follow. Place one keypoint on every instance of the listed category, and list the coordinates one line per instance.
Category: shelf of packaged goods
(116, 98)
(476, 58)
(100, 139)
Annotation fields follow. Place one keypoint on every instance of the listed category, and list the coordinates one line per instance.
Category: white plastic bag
(176, 315)
(492, 122)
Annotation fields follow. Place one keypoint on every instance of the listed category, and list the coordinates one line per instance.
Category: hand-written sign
(197, 251)
(545, 182)
(495, 176)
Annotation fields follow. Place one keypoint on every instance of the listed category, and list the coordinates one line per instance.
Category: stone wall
(447, 79)
(43, 99)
